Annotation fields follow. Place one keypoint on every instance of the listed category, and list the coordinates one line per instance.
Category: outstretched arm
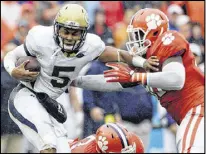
(172, 76)
(99, 83)
(112, 54)
(96, 83)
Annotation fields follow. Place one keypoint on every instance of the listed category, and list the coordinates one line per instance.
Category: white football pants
(41, 129)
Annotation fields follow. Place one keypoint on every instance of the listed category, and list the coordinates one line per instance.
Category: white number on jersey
(65, 80)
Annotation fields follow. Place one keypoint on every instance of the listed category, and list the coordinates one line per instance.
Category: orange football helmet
(144, 28)
(114, 138)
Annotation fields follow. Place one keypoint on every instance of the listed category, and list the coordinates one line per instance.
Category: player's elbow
(177, 81)
(7, 56)
(11, 52)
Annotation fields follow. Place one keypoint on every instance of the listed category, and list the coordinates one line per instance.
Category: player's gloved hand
(151, 63)
(20, 73)
(123, 73)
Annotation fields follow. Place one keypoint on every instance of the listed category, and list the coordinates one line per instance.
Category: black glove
(129, 84)
(52, 106)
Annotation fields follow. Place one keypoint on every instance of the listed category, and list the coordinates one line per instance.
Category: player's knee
(49, 150)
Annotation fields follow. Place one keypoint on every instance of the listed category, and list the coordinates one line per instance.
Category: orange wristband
(140, 77)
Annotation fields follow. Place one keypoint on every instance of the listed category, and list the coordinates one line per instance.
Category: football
(33, 65)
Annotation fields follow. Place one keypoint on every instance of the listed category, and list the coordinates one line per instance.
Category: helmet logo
(102, 143)
(153, 21)
(71, 23)
(167, 39)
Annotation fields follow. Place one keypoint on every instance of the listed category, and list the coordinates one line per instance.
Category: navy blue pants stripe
(15, 112)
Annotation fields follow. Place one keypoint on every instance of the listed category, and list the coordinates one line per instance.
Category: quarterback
(109, 138)
(179, 84)
(62, 51)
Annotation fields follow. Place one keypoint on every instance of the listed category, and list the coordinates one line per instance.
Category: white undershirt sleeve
(172, 76)
(97, 83)
(12, 56)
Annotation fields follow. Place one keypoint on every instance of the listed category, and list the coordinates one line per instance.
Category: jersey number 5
(55, 73)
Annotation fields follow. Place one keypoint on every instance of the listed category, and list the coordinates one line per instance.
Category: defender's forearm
(112, 54)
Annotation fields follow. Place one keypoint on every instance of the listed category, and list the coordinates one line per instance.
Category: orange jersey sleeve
(169, 44)
(86, 145)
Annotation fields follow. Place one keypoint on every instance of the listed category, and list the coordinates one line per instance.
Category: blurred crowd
(87, 110)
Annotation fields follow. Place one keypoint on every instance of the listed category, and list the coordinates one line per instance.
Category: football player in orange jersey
(179, 84)
(109, 138)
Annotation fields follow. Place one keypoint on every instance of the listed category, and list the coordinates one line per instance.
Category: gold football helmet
(70, 27)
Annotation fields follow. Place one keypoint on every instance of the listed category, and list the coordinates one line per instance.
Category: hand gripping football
(33, 65)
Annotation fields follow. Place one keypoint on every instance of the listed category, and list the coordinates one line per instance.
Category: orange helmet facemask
(114, 138)
(144, 28)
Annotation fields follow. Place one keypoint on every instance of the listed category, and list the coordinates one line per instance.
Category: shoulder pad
(93, 45)
(169, 44)
(93, 40)
(42, 35)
